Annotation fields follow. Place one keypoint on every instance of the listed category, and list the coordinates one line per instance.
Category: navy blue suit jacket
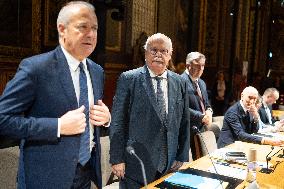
(41, 92)
(136, 122)
(263, 115)
(235, 127)
(194, 105)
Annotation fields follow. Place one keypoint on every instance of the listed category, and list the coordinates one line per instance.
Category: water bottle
(251, 166)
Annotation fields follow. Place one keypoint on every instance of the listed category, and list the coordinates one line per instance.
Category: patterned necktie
(160, 99)
(163, 131)
(84, 153)
(200, 96)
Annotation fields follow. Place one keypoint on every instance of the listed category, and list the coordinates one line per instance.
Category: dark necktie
(201, 103)
(84, 153)
(163, 131)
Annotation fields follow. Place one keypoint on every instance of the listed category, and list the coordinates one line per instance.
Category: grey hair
(159, 37)
(273, 91)
(66, 11)
(194, 56)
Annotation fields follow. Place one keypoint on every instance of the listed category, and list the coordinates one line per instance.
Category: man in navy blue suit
(199, 106)
(269, 97)
(241, 121)
(42, 106)
(149, 113)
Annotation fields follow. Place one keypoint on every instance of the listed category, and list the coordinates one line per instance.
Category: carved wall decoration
(51, 10)
(211, 35)
(113, 33)
(20, 28)
(144, 18)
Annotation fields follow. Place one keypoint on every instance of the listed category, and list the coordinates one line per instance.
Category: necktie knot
(158, 79)
(81, 66)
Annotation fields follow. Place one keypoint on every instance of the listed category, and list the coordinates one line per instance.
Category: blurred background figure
(220, 94)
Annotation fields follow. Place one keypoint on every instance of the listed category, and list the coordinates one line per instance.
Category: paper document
(229, 171)
(194, 181)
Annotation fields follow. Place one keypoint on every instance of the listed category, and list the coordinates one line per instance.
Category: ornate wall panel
(113, 33)
(20, 28)
(144, 18)
(212, 31)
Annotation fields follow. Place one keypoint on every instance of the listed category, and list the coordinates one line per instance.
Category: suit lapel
(172, 89)
(66, 79)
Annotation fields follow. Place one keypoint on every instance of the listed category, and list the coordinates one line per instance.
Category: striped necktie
(201, 103)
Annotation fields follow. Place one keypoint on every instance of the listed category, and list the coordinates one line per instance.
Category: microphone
(281, 155)
(267, 170)
(131, 151)
(197, 131)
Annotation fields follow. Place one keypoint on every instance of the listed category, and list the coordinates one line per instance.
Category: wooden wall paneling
(20, 31)
(113, 70)
(113, 33)
(212, 32)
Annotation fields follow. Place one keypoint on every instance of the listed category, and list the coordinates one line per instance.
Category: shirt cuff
(58, 127)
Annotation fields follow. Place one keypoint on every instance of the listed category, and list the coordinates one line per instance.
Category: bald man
(241, 121)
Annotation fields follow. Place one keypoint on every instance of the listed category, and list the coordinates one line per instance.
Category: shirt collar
(245, 110)
(73, 62)
(164, 75)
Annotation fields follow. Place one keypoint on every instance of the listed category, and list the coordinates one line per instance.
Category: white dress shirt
(164, 85)
(75, 71)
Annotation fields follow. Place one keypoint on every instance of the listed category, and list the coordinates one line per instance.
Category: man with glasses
(149, 113)
(199, 106)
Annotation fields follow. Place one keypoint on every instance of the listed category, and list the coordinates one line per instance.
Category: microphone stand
(267, 170)
(131, 151)
(281, 155)
(195, 129)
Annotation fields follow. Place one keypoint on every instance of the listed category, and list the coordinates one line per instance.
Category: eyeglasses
(154, 51)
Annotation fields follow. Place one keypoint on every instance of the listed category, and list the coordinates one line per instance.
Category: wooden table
(278, 114)
(266, 181)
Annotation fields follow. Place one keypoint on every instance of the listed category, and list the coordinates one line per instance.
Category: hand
(175, 166)
(73, 122)
(99, 114)
(273, 142)
(253, 111)
(207, 119)
(119, 170)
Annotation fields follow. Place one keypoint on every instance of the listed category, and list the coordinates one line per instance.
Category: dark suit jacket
(194, 107)
(235, 127)
(263, 115)
(136, 122)
(41, 92)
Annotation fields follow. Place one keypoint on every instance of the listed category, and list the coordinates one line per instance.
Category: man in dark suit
(269, 97)
(241, 121)
(149, 113)
(53, 105)
(199, 106)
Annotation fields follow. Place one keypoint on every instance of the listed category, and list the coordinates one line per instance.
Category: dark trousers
(82, 179)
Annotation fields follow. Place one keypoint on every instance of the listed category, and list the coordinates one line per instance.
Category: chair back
(207, 140)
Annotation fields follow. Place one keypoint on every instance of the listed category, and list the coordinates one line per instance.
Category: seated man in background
(241, 121)
(269, 97)
(266, 128)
